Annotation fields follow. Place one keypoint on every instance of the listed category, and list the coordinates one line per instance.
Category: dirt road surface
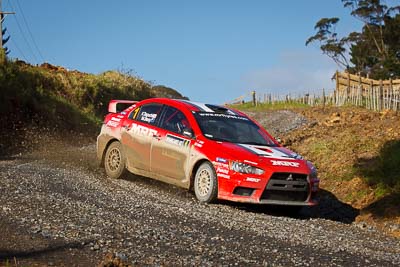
(57, 208)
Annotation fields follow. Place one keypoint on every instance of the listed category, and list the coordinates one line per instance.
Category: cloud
(297, 72)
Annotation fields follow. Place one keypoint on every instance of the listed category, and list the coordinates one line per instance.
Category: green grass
(66, 99)
(383, 171)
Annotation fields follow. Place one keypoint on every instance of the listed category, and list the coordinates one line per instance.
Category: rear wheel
(205, 183)
(114, 161)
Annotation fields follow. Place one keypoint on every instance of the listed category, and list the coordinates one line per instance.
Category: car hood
(264, 155)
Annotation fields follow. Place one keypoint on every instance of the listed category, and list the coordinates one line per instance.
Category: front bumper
(278, 189)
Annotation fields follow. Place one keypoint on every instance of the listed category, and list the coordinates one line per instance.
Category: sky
(210, 50)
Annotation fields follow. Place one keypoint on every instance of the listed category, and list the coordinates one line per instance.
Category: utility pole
(2, 17)
(1, 27)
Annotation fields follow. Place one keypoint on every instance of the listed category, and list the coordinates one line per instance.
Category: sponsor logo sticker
(198, 145)
(254, 180)
(251, 162)
(112, 123)
(225, 176)
(218, 159)
(220, 164)
(172, 139)
(142, 130)
(285, 163)
(222, 169)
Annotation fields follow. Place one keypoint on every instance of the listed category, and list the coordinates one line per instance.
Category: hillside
(357, 152)
(46, 99)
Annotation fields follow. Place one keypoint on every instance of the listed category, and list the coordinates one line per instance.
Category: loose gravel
(279, 122)
(150, 223)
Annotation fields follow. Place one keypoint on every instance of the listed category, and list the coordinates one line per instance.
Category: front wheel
(205, 183)
(114, 161)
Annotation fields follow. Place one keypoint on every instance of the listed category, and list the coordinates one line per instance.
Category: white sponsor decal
(115, 119)
(172, 139)
(222, 170)
(254, 180)
(251, 162)
(223, 116)
(285, 163)
(142, 130)
(112, 123)
(221, 160)
(223, 175)
(266, 151)
(220, 164)
(148, 117)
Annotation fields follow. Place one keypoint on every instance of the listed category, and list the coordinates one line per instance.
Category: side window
(147, 113)
(174, 121)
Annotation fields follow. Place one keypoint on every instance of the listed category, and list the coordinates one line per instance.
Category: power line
(23, 35)
(29, 31)
(19, 50)
(2, 18)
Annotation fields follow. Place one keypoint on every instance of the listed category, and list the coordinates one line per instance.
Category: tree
(329, 42)
(375, 50)
(3, 33)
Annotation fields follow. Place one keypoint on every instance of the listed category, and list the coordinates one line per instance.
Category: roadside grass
(358, 156)
(56, 96)
(383, 170)
(49, 101)
(329, 155)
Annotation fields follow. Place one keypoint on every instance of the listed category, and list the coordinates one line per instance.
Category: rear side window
(147, 113)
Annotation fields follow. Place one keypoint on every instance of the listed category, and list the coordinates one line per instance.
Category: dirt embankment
(357, 152)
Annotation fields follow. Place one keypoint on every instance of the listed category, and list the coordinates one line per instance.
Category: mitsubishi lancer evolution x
(216, 151)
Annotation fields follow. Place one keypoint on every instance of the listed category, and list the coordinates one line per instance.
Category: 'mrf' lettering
(142, 130)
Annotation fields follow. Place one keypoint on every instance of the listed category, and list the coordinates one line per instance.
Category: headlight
(245, 168)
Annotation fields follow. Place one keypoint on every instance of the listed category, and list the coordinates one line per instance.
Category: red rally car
(217, 152)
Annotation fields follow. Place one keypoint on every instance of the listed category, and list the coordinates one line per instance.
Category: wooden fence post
(253, 95)
(381, 95)
(360, 91)
(390, 93)
(348, 87)
(337, 80)
(372, 95)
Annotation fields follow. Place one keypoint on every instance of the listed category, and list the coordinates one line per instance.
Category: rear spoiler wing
(115, 105)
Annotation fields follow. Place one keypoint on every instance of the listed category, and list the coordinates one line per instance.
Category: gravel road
(59, 195)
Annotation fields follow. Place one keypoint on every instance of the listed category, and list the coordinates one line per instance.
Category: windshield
(231, 128)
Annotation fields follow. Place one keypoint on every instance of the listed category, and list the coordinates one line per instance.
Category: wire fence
(371, 94)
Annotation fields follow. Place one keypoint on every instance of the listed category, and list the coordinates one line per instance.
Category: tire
(114, 161)
(205, 183)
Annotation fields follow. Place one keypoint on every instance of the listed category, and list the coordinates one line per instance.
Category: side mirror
(278, 139)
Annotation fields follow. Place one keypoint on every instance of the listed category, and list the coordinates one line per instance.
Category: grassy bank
(59, 100)
(249, 106)
(356, 151)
